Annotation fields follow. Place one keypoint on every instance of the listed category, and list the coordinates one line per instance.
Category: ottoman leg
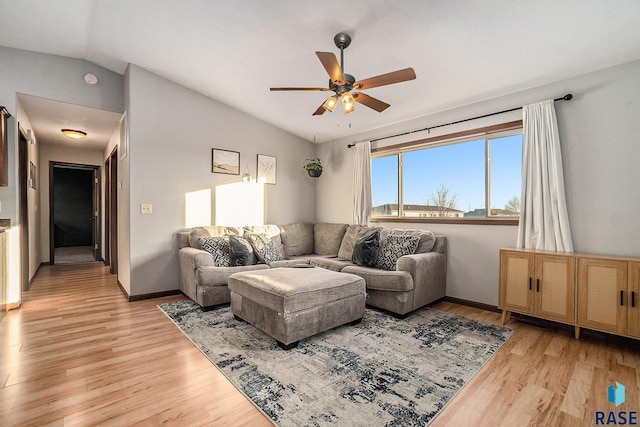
(287, 346)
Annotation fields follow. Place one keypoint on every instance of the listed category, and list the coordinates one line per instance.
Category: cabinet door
(602, 299)
(516, 276)
(634, 299)
(555, 288)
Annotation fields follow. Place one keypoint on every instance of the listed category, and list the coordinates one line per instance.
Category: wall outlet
(146, 208)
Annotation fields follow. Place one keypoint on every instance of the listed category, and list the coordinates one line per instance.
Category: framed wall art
(225, 161)
(267, 169)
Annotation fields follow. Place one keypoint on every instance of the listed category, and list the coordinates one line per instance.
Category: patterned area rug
(381, 372)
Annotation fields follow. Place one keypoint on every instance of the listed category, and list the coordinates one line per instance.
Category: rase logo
(615, 396)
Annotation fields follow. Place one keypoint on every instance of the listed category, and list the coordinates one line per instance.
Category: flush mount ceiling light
(343, 84)
(73, 133)
(90, 79)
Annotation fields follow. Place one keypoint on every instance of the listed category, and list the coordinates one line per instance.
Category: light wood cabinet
(584, 290)
(541, 285)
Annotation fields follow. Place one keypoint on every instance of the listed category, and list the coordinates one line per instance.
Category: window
(470, 179)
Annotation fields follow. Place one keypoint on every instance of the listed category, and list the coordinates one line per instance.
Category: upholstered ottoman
(290, 304)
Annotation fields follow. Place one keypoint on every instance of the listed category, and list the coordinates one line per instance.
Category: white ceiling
(233, 50)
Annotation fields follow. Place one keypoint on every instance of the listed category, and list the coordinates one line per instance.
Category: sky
(459, 167)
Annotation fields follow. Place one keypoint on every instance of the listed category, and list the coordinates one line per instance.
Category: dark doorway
(74, 222)
(23, 176)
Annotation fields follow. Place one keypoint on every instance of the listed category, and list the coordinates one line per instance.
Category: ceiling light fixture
(73, 133)
(330, 103)
(348, 102)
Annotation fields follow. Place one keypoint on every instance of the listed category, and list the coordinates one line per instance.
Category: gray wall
(172, 131)
(599, 132)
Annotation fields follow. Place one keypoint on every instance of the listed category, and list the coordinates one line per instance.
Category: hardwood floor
(77, 353)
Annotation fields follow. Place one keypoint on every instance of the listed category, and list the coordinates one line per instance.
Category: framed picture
(32, 175)
(267, 169)
(225, 161)
(124, 137)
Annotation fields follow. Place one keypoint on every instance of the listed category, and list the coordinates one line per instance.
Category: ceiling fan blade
(370, 102)
(386, 79)
(298, 88)
(330, 63)
(320, 111)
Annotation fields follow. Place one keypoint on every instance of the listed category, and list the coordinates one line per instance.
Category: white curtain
(544, 222)
(362, 184)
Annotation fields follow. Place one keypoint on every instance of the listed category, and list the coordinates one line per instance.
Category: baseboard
(154, 295)
(126, 294)
(480, 305)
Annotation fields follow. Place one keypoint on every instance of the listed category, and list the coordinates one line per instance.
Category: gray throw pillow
(241, 252)
(218, 247)
(264, 248)
(366, 249)
(393, 247)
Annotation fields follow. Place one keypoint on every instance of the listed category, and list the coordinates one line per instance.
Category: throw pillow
(393, 247)
(241, 252)
(365, 251)
(264, 248)
(218, 247)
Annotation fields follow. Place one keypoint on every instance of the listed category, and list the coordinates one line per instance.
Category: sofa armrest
(191, 259)
(429, 272)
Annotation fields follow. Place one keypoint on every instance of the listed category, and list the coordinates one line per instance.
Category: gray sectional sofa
(417, 279)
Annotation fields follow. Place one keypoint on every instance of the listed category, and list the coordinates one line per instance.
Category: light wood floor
(77, 353)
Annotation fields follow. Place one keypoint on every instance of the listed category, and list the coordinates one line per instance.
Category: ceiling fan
(343, 84)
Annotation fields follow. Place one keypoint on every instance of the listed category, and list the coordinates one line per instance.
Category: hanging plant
(313, 167)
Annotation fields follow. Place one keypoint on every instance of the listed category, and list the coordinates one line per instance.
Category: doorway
(23, 211)
(74, 220)
(111, 212)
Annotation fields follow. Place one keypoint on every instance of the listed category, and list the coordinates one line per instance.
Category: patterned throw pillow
(264, 248)
(218, 247)
(393, 247)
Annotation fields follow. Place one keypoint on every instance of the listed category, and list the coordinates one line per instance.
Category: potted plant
(313, 167)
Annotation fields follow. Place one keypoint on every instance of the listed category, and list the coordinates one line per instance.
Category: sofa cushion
(210, 231)
(353, 233)
(241, 252)
(271, 230)
(427, 238)
(334, 264)
(218, 247)
(218, 276)
(264, 248)
(297, 239)
(393, 247)
(382, 280)
(327, 238)
(365, 251)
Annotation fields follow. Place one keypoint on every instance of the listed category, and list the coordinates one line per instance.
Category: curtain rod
(567, 97)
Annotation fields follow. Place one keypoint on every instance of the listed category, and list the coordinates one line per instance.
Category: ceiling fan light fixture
(330, 103)
(348, 102)
(74, 133)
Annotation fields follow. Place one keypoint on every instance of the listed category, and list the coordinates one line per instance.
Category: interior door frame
(111, 212)
(96, 197)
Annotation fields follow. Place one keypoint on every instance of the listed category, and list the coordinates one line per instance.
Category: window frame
(487, 132)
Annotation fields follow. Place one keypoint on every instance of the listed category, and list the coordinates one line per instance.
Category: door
(555, 288)
(601, 295)
(634, 298)
(516, 275)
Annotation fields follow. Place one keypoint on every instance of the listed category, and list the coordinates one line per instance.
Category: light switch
(145, 208)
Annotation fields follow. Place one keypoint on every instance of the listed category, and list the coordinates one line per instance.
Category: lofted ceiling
(234, 50)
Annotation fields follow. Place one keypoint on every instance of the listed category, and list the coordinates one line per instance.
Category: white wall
(599, 130)
(65, 155)
(172, 131)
